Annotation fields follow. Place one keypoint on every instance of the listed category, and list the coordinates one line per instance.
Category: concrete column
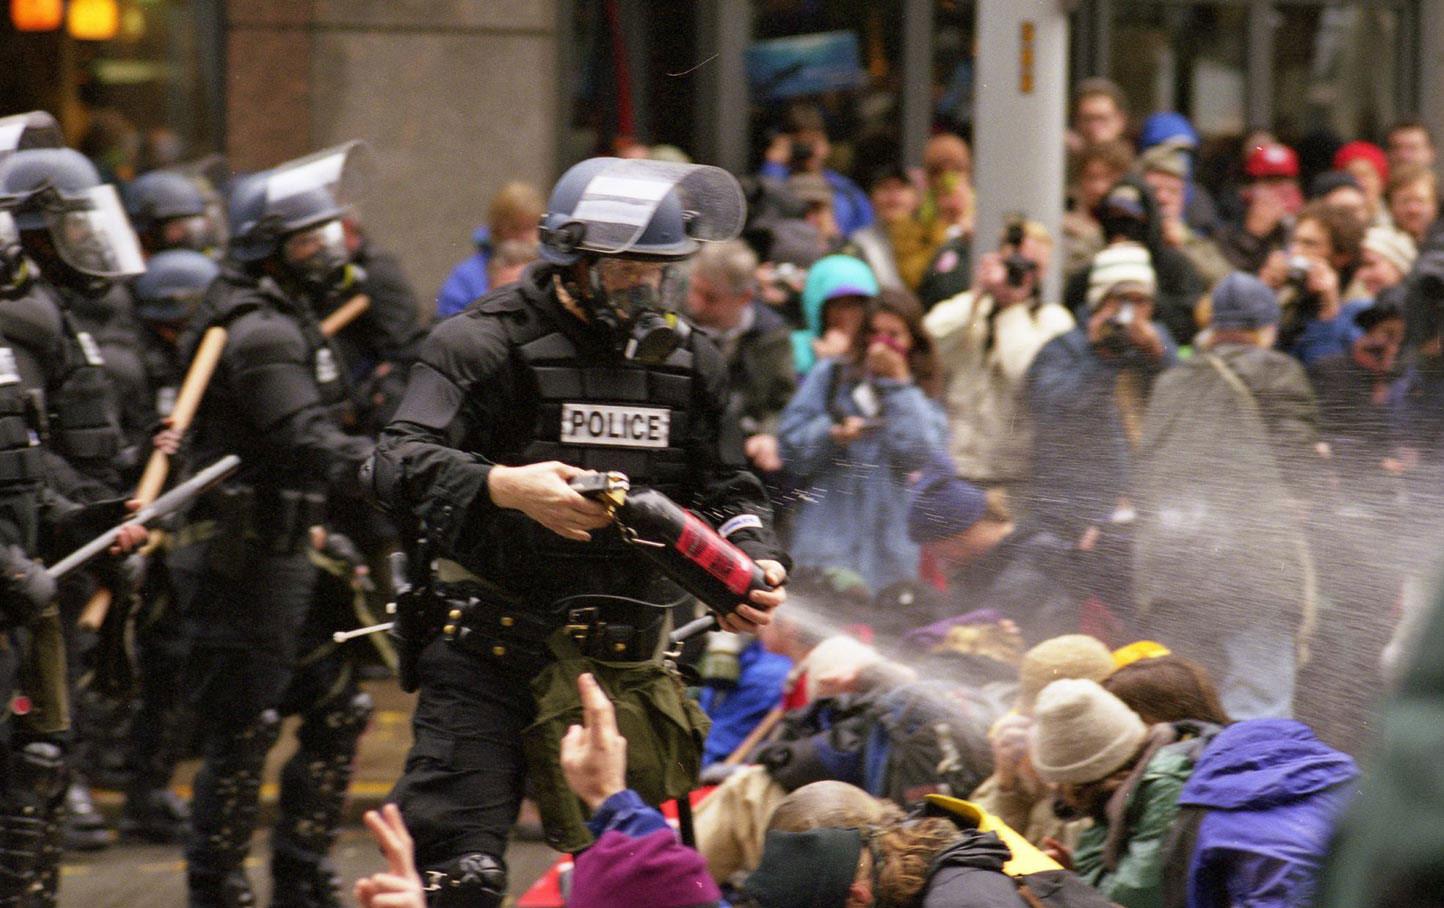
(725, 30)
(1022, 100)
(1259, 87)
(917, 94)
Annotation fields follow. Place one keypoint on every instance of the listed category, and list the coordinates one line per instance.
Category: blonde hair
(516, 208)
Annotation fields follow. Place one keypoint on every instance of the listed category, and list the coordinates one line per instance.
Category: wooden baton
(345, 314)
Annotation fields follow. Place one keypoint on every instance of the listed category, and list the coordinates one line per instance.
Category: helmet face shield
(655, 208)
(36, 129)
(318, 187)
(92, 234)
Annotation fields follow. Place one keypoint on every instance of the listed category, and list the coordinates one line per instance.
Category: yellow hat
(1137, 651)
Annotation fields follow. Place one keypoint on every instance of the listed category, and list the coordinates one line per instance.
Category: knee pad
(475, 880)
(338, 726)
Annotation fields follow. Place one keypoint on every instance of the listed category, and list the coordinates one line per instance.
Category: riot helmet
(290, 216)
(617, 225)
(36, 129)
(71, 223)
(168, 211)
(172, 286)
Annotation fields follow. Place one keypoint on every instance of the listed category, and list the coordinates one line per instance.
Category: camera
(1015, 264)
(1298, 273)
(801, 153)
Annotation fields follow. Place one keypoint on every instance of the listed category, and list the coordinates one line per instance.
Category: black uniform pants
(465, 773)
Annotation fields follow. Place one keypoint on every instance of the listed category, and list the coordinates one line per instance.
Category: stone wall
(455, 97)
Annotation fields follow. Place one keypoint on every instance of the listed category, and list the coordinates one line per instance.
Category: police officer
(35, 723)
(275, 401)
(72, 336)
(582, 365)
(169, 211)
(166, 297)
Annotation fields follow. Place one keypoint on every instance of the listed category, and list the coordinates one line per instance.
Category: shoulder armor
(33, 320)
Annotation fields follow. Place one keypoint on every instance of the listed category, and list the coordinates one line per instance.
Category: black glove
(27, 588)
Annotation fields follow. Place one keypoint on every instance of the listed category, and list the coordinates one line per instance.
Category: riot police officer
(34, 728)
(73, 338)
(582, 365)
(275, 401)
(166, 297)
(168, 211)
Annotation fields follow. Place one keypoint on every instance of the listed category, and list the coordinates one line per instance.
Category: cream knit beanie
(1068, 656)
(1083, 733)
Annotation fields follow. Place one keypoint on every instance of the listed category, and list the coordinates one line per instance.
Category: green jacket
(1133, 875)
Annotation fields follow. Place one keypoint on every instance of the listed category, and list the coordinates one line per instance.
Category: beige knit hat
(1083, 733)
(1394, 246)
(1121, 263)
(1068, 656)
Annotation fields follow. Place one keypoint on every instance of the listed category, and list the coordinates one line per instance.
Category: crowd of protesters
(1210, 452)
(1092, 590)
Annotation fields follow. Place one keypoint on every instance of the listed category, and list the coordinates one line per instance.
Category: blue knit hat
(1243, 301)
(943, 505)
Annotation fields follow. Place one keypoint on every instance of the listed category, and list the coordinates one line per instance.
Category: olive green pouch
(664, 729)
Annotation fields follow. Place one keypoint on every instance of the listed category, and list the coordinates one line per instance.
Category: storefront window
(149, 95)
(1336, 69)
(1187, 58)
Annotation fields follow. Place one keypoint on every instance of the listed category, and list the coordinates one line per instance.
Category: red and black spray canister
(682, 545)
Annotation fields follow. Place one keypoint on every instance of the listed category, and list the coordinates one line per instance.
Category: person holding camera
(986, 339)
(859, 424)
(1086, 393)
(803, 147)
(1311, 278)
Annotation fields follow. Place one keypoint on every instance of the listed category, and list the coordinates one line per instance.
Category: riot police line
(552, 472)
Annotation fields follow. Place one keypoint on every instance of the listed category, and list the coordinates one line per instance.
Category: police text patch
(625, 427)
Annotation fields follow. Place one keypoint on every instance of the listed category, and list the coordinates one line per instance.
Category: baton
(188, 399)
(345, 314)
(164, 506)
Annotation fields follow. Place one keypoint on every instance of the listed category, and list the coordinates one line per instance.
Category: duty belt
(483, 620)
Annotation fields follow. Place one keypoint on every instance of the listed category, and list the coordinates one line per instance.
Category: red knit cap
(1366, 151)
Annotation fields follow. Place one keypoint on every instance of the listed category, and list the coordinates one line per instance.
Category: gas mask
(634, 302)
(319, 259)
(15, 271)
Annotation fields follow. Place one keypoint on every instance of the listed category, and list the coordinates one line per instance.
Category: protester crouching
(1015, 792)
(1125, 776)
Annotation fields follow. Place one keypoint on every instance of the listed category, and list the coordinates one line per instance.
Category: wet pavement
(138, 875)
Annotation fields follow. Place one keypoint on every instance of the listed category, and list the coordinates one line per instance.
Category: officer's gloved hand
(27, 587)
(339, 547)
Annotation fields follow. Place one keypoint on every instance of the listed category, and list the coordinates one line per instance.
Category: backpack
(927, 737)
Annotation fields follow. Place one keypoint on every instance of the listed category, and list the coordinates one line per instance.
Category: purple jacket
(1271, 792)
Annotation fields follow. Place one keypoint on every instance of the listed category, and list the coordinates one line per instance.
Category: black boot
(223, 814)
(85, 828)
(219, 890)
(313, 795)
(156, 815)
(303, 882)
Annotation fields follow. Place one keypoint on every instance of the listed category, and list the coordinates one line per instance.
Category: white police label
(326, 371)
(90, 348)
(9, 371)
(624, 427)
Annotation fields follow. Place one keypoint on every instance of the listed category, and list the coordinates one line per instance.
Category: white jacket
(991, 434)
